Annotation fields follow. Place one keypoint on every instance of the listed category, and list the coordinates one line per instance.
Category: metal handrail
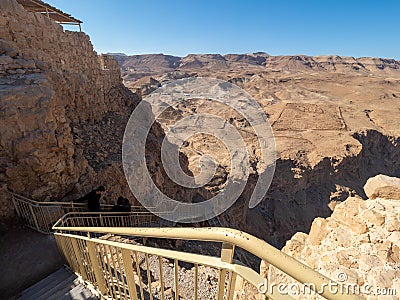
(42, 215)
(83, 253)
(54, 203)
(138, 217)
(230, 238)
(113, 268)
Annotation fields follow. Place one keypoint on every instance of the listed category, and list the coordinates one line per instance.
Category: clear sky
(280, 27)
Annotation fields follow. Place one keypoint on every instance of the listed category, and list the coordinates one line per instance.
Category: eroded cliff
(63, 110)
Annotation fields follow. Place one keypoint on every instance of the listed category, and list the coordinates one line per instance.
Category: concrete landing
(26, 257)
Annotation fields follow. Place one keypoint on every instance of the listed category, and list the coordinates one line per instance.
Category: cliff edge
(358, 245)
(50, 79)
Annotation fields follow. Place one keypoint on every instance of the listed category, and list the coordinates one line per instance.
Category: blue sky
(349, 28)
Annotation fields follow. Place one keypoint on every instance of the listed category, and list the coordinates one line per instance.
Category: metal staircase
(118, 267)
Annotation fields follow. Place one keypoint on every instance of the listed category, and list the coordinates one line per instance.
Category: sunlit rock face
(63, 111)
(359, 244)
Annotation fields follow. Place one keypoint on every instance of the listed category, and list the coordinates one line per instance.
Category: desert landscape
(335, 122)
(334, 200)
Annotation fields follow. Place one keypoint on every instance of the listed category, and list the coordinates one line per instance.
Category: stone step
(61, 284)
(58, 275)
(60, 287)
(77, 293)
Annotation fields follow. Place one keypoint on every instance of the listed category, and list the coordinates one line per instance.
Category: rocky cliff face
(50, 80)
(63, 109)
(358, 245)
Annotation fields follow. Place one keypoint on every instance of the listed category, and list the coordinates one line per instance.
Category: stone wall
(50, 79)
(34, 43)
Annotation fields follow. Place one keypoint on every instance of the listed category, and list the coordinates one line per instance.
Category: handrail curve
(256, 246)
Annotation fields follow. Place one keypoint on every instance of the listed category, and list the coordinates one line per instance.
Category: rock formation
(63, 110)
(359, 244)
(138, 66)
(382, 186)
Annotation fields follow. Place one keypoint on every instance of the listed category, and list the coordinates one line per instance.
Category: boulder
(337, 247)
(382, 186)
(347, 214)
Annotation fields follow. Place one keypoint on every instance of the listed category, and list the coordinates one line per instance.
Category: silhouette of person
(93, 199)
(120, 206)
(127, 205)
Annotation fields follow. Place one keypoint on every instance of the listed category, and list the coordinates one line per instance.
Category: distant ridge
(114, 54)
(155, 63)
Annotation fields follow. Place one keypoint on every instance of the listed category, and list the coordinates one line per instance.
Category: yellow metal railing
(121, 270)
(41, 216)
(139, 217)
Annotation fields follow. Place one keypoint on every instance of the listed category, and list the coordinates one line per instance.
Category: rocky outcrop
(359, 244)
(38, 86)
(382, 186)
(52, 84)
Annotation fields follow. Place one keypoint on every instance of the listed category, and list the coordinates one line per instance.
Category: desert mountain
(156, 63)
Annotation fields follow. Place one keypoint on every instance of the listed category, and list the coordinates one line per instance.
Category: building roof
(50, 11)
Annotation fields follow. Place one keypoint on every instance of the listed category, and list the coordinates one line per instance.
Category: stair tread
(65, 285)
(80, 292)
(62, 284)
(59, 275)
(67, 292)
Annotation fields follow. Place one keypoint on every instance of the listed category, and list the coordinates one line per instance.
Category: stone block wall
(34, 42)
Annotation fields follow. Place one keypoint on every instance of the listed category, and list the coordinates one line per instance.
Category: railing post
(78, 256)
(98, 274)
(176, 279)
(227, 252)
(16, 206)
(239, 287)
(101, 221)
(232, 286)
(34, 218)
(129, 273)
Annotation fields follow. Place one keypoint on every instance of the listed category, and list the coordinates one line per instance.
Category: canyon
(335, 123)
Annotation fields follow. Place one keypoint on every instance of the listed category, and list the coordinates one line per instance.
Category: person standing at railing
(93, 199)
(127, 205)
(120, 206)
